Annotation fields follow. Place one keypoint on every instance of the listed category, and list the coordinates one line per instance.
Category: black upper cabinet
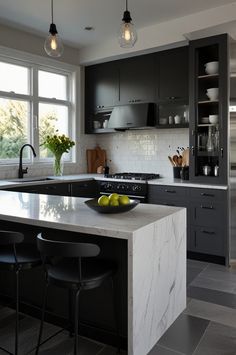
(137, 79)
(172, 74)
(101, 86)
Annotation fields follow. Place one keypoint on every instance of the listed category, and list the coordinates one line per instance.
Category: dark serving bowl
(93, 204)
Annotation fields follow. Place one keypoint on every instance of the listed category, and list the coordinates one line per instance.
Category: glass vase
(58, 165)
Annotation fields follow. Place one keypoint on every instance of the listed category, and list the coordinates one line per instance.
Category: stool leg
(116, 315)
(17, 312)
(42, 318)
(76, 350)
(70, 311)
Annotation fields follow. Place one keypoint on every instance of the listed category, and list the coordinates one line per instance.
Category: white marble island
(156, 242)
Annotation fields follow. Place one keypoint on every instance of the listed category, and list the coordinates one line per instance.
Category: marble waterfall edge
(157, 280)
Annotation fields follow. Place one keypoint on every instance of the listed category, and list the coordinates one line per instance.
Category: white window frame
(35, 63)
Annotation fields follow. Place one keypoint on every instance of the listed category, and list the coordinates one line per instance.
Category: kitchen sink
(32, 179)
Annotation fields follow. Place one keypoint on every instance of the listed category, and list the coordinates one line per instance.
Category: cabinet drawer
(207, 240)
(166, 193)
(208, 214)
(207, 195)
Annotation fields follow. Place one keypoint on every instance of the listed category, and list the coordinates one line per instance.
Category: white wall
(143, 150)
(175, 32)
(30, 43)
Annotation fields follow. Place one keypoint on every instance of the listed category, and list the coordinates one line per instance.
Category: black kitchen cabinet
(207, 219)
(172, 74)
(137, 79)
(209, 224)
(61, 189)
(85, 189)
(101, 86)
(168, 195)
(208, 139)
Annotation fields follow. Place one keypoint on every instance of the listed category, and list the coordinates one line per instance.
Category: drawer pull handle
(207, 207)
(170, 191)
(207, 232)
(169, 204)
(207, 195)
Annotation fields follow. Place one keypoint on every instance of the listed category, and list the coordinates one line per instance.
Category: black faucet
(22, 171)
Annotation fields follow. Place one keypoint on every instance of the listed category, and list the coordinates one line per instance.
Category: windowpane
(14, 78)
(53, 119)
(14, 121)
(52, 85)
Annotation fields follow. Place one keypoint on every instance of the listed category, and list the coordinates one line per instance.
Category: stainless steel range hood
(134, 116)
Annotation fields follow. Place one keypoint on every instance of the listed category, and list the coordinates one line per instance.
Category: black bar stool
(77, 270)
(16, 256)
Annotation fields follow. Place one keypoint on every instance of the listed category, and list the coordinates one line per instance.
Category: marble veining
(157, 300)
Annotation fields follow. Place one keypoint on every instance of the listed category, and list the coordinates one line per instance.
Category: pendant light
(53, 44)
(127, 33)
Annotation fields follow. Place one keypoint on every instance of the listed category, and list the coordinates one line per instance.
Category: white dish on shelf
(213, 93)
(213, 119)
(204, 120)
(212, 68)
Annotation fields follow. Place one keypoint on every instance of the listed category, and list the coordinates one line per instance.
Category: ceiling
(71, 16)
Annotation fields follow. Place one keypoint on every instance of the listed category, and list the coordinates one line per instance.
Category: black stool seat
(27, 257)
(73, 266)
(93, 273)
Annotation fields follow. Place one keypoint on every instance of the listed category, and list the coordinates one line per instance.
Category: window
(34, 101)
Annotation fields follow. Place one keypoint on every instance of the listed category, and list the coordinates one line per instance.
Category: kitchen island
(156, 252)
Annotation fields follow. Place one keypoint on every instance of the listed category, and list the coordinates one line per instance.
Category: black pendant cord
(126, 5)
(52, 9)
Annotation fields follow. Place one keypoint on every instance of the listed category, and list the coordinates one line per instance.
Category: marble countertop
(72, 214)
(85, 177)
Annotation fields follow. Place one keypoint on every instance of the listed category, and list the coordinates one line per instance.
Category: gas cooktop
(133, 176)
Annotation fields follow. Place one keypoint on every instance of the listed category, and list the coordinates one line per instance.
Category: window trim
(35, 63)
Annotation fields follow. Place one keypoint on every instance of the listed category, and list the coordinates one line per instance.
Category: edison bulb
(53, 45)
(127, 35)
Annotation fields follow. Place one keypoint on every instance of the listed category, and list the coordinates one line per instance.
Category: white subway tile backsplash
(143, 151)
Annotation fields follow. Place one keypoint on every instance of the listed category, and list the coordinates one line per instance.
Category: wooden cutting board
(95, 158)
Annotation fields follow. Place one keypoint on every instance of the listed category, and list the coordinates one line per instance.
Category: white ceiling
(71, 16)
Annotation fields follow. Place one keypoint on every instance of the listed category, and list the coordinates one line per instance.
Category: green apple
(114, 202)
(113, 196)
(124, 200)
(103, 201)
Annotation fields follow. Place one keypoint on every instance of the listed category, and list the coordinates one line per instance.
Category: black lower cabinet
(207, 219)
(209, 225)
(60, 189)
(96, 306)
(85, 189)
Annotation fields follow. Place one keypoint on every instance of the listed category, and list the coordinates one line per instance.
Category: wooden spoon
(175, 159)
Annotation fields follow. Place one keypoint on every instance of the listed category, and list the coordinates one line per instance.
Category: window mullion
(35, 110)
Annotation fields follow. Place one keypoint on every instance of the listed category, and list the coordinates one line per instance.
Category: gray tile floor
(206, 327)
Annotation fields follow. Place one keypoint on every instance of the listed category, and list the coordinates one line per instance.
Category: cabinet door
(207, 240)
(85, 189)
(209, 110)
(172, 75)
(101, 86)
(136, 79)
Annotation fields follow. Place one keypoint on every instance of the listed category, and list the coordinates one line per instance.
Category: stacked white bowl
(213, 94)
(212, 68)
(213, 119)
